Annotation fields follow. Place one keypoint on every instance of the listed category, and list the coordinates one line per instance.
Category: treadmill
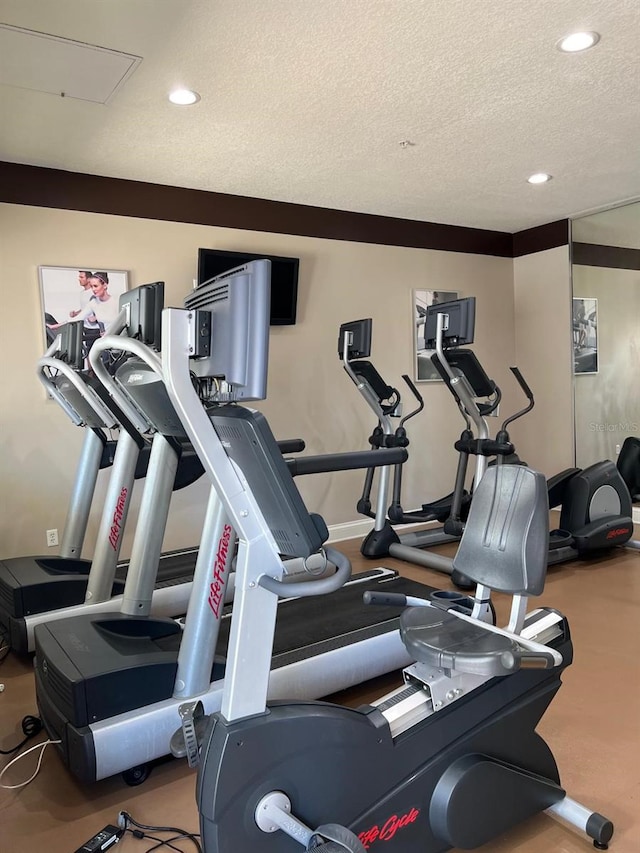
(37, 589)
(109, 686)
(31, 585)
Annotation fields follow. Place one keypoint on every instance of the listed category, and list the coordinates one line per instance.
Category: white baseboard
(360, 528)
(350, 530)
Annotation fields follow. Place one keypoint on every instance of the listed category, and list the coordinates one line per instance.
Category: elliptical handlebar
(418, 397)
(528, 393)
(523, 383)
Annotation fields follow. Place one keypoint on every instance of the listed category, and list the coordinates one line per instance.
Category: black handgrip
(389, 599)
(291, 445)
(522, 382)
(414, 390)
(349, 461)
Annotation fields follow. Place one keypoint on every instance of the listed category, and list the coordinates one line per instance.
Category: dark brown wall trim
(41, 187)
(33, 185)
(614, 257)
(542, 237)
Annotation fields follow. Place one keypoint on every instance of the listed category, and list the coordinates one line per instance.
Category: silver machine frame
(142, 735)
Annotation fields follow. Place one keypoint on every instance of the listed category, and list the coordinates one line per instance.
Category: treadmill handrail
(133, 347)
(85, 391)
(322, 586)
(348, 461)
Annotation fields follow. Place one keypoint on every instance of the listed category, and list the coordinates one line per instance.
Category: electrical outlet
(52, 537)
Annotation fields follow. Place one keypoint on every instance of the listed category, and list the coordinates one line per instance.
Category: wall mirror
(605, 255)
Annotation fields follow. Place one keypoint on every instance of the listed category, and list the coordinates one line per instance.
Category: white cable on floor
(41, 746)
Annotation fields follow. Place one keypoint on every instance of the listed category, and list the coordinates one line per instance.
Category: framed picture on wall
(422, 299)
(585, 335)
(80, 294)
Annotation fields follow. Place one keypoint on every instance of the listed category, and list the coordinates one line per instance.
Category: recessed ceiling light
(539, 178)
(184, 97)
(578, 41)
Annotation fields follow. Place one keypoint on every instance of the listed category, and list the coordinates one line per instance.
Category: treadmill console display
(145, 305)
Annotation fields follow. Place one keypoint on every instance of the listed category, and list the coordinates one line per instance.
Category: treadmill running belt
(327, 622)
(178, 564)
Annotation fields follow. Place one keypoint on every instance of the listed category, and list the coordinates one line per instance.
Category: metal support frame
(114, 515)
(210, 583)
(249, 654)
(518, 613)
(384, 473)
(443, 687)
(464, 393)
(84, 486)
(152, 522)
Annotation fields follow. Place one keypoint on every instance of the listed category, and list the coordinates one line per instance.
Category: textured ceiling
(307, 101)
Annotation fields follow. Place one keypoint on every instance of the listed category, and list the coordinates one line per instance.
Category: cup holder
(449, 599)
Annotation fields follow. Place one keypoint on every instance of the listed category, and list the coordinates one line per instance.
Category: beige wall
(309, 395)
(542, 291)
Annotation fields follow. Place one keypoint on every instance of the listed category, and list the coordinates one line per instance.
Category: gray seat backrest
(506, 538)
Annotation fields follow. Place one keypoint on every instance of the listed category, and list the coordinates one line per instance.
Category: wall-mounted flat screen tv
(284, 279)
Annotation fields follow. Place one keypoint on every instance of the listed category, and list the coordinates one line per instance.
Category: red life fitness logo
(216, 587)
(116, 522)
(389, 829)
(618, 531)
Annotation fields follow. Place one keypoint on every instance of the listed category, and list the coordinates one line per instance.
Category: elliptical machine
(450, 759)
(629, 466)
(477, 397)
(595, 504)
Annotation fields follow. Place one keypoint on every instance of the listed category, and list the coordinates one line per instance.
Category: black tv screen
(284, 279)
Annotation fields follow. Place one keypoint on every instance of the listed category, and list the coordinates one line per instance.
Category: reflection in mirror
(606, 332)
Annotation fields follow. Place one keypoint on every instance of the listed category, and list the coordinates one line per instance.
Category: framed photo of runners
(86, 294)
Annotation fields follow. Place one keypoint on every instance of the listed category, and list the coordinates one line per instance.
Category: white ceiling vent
(46, 63)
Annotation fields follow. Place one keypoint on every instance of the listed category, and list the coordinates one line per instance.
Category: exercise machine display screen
(71, 348)
(460, 326)
(359, 345)
(145, 313)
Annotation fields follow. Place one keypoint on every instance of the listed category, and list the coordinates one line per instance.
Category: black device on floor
(101, 840)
